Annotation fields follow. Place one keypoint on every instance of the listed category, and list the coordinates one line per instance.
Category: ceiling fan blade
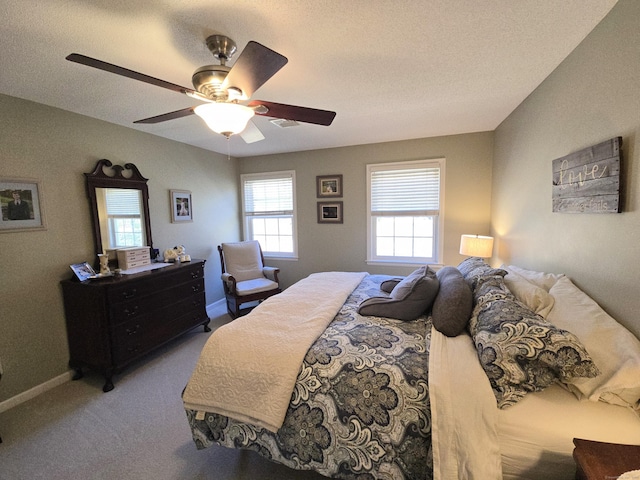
(168, 116)
(255, 65)
(251, 133)
(292, 112)
(125, 72)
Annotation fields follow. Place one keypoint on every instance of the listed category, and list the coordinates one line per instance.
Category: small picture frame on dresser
(83, 271)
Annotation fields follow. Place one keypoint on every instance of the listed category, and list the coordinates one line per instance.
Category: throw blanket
(248, 368)
(463, 411)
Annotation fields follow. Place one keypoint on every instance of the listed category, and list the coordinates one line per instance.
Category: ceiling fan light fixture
(225, 118)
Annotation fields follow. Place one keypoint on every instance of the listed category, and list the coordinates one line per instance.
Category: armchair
(245, 278)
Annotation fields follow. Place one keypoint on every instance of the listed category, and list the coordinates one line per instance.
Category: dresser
(114, 321)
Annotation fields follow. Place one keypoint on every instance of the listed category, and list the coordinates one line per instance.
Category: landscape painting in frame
(21, 203)
(181, 206)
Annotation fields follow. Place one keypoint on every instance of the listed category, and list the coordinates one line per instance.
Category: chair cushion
(249, 287)
(243, 260)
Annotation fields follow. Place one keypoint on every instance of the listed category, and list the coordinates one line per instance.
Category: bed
(370, 396)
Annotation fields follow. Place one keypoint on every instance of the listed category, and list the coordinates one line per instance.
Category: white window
(269, 212)
(124, 216)
(405, 211)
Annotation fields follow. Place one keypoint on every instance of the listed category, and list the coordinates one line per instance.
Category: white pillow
(613, 348)
(541, 279)
(535, 298)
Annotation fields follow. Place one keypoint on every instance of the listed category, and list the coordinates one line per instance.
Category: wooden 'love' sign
(588, 181)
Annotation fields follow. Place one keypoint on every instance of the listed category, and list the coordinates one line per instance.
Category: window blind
(122, 201)
(268, 196)
(414, 191)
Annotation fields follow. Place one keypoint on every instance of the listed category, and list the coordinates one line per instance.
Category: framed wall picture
(21, 203)
(329, 186)
(181, 206)
(329, 212)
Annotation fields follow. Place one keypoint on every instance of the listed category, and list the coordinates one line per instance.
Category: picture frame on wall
(328, 186)
(330, 212)
(181, 206)
(21, 203)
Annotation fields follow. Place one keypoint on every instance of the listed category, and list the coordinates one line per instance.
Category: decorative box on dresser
(115, 320)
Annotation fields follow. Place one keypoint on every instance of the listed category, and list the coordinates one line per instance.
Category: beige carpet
(137, 431)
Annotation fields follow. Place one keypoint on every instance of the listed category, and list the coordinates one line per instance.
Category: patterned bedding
(360, 407)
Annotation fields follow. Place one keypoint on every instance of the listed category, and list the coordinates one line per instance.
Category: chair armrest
(229, 282)
(271, 273)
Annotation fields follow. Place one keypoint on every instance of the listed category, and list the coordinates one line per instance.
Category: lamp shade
(225, 118)
(476, 246)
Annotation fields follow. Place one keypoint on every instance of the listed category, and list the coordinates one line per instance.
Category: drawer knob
(133, 331)
(131, 312)
(130, 293)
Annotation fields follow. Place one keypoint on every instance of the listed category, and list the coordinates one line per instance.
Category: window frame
(246, 218)
(438, 225)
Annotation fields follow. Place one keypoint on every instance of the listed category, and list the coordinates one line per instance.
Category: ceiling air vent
(282, 123)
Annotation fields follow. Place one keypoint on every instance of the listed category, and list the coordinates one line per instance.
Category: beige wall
(57, 147)
(344, 247)
(592, 96)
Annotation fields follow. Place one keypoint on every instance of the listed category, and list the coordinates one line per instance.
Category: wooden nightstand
(601, 461)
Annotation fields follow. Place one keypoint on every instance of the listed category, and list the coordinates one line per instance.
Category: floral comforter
(360, 407)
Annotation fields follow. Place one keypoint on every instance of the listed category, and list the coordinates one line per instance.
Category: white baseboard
(216, 305)
(35, 391)
(212, 310)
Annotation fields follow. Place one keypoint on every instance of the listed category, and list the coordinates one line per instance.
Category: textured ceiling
(391, 69)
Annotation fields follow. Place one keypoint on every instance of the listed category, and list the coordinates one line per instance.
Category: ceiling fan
(223, 89)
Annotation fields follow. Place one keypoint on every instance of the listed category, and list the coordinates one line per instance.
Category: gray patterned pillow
(474, 268)
(519, 350)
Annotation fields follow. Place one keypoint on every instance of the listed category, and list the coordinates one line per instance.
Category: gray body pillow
(453, 306)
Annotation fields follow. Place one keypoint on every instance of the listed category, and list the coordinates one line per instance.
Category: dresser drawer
(152, 302)
(149, 330)
(153, 283)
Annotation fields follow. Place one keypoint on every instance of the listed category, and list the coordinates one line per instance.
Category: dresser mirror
(119, 200)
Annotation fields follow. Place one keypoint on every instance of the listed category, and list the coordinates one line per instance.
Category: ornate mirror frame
(99, 178)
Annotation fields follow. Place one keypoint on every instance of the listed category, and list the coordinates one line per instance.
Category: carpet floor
(137, 431)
